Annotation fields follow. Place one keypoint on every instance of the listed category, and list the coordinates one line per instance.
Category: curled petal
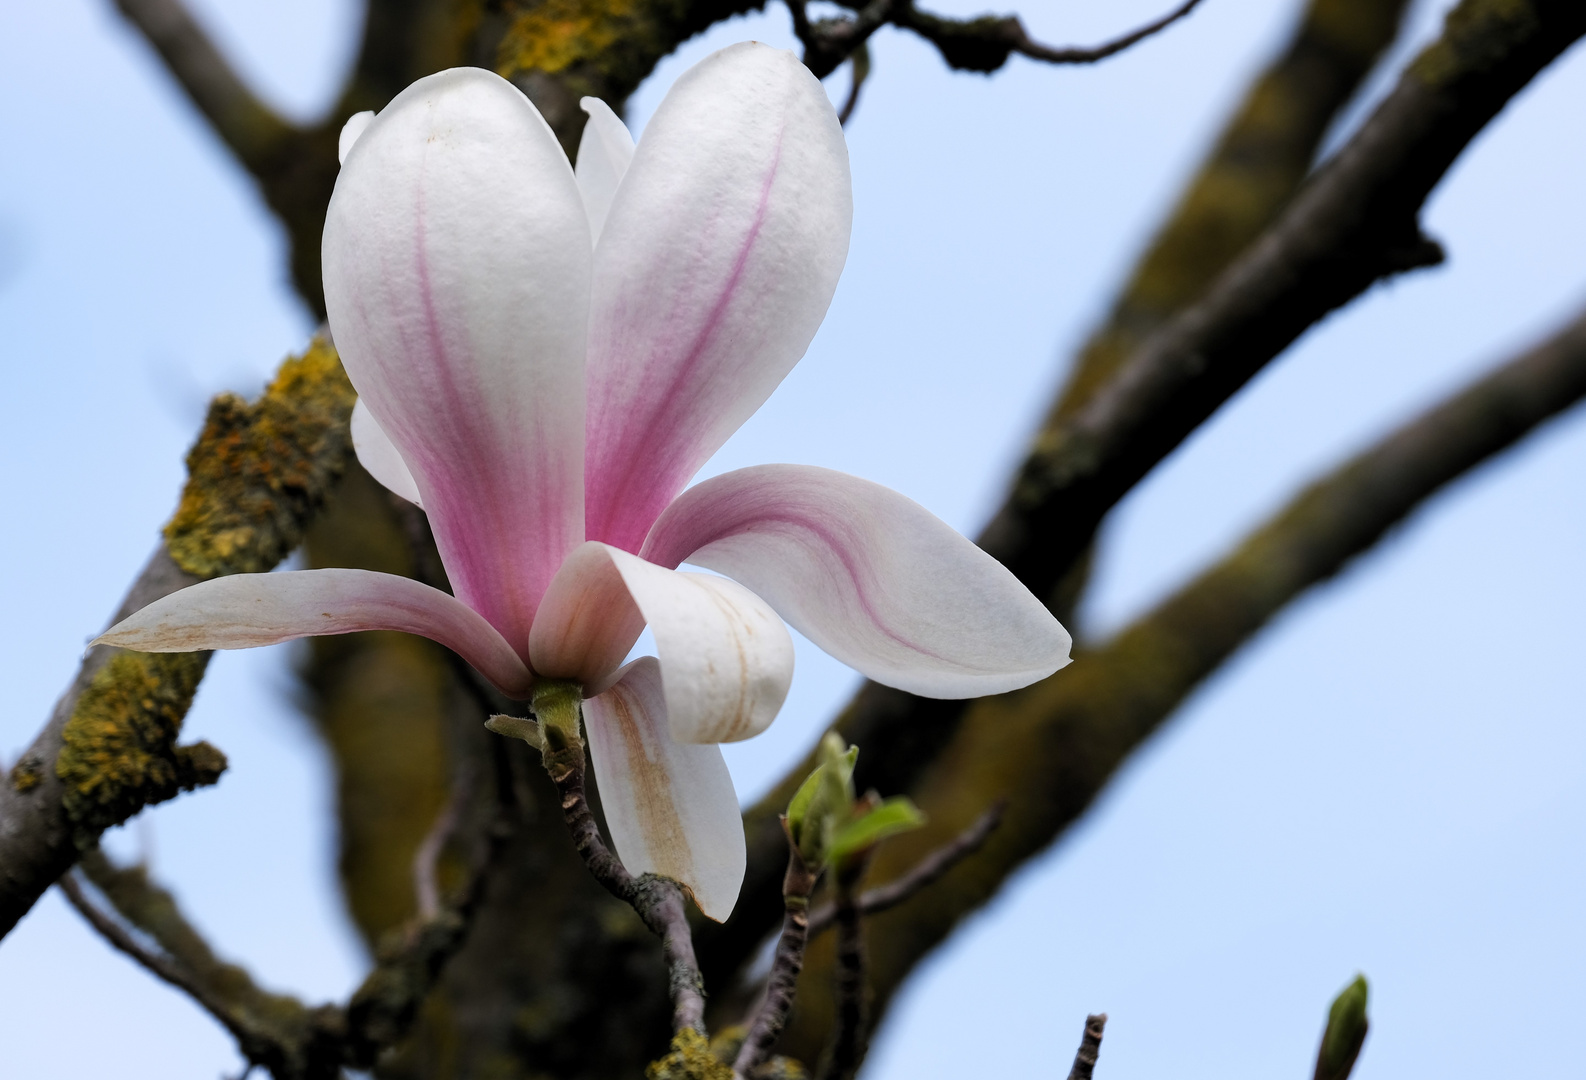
(247, 610)
(457, 263)
(726, 659)
(380, 457)
(870, 576)
(355, 126)
(587, 621)
(670, 806)
(604, 152)
(715, 268)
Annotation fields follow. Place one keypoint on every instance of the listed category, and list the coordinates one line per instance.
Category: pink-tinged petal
(716, 265)
(670, 806)
(380, 457)
(587, 622)
(870, 576)
(604, 152)
(457, 266)
(726, 659)
(247, 610)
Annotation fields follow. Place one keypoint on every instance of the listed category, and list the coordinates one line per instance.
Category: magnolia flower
(544, 359)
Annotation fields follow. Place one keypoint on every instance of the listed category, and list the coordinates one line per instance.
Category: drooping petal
(670, 806)
(248, 610)
(715, 268)
(380, 457)
(604, 151)
(355, 126)
(457, 265)
(726, 659)
(870, 576)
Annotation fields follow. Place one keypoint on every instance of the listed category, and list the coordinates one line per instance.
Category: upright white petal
(247, 610)
(726, 659)
(670, 806)
(604, 151)
(380, 457)
(716, 266)
(870, 576)
(457, 264)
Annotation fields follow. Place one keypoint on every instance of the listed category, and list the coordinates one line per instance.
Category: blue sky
(1392, 779)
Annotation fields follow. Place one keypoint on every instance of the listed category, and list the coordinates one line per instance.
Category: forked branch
(982, 44)
(251, 128)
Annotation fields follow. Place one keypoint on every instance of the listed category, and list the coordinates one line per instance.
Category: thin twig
(157, 964)
(1075, 54)
(782, 983)
(426, 889)
(848, 1043)
(921, 874)
(1089, 1048)
(981, 44)
(859, 61)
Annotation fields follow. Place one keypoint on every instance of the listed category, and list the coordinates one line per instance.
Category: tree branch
(162, 967)
(293, 1041)
(250, 128)
(1353, 223)
(1057, 743)
(256, 474)
(982, 44)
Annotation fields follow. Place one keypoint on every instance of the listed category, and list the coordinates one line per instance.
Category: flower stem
(659, 901)
(782, 983)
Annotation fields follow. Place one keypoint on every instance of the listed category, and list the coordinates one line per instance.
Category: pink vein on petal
(636, 462)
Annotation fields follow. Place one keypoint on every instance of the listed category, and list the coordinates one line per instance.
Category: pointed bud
(1346, 1032)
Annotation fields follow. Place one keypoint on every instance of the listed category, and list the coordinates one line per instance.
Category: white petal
(870, 576)
(248, 610)
(716, 266)
(604, 152)
(380, 457)
(726, 659)
(457, 265)
(355, 126)
(670, 806)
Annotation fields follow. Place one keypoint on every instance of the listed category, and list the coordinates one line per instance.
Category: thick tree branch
(1251, 173)
(256, 474)
(250, 128)
(1353, 224)
(1056, 744)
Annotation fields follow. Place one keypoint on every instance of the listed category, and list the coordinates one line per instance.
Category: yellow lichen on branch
(255, 474)
(555, 35)
(259, 469)
(119, 749)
